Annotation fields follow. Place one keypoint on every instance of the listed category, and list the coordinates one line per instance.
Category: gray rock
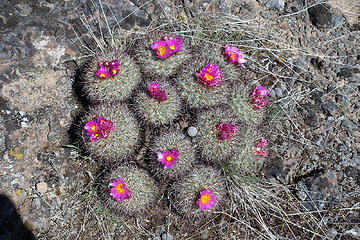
(348, 125)
(300, 65)
(166, 236)
(279, 92)
(192, 131)
(330, 119)
(321, 16)
(345, 72)
(330, 107)
(274, 4)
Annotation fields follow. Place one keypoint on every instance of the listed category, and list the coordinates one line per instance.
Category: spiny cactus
(122, 142)
(140, 191)
(185, 194)
(171, 139)
(154, 111)
(151, 64)
(199, 95)
(214, 148)
(111, 88)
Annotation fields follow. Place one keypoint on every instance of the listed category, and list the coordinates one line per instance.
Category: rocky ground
(309, 56)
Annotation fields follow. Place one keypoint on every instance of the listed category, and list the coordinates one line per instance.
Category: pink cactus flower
(234, 55)
(226, 130)
(210, 75)
(103, 72)
(162, 49)
(91, 127)
(160, 96)
(95, 136)
(106, 126)
(207, 199)
(257, 97)
(260, 92)
(262, 143)
(168, 158)
(119, 191)
(174, 44)
(259, 148)
(154, 87)
(115, 63)
(114, 71)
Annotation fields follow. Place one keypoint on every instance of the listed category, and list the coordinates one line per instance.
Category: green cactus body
(122, 142)
(151, 64)
(119, 87)
(196, 94)
(170, 139)
(154, 112)
(213, 149)
(143, 188)
(185, 192)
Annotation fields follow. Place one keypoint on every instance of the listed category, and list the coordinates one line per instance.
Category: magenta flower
(174, 44)
(210, 75)
(114, 71)
(106, 126)
(226, 130)
(260, 92)
(168, 157)
(234, 55)
(207, 199)
(257, 97)
(119, 191)
(95, 136)
(91, 127)
(162, 49)
(259, 148)
(103, 72)
(115, 63)
(154, 87)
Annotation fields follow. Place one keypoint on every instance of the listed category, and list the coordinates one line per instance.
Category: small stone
(348, 125)
(330, 118)
(300, 66)
(192, 131)
(330, 107)
(345, 72)
(331, 87)
(321, 16)
(36, 203)
(24, 124)
(166, 236)
(41, 187)
(274, 4)
(279, 92)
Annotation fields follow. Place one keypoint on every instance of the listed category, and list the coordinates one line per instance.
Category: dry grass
(259, 209)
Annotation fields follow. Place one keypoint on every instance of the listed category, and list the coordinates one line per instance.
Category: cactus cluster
(143, 95)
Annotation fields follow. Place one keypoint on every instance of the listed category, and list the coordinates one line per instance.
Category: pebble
(274, 4)
(320, 16)
(36, 203)
(345, 72)
(192, 131)
(330, 107)
(348, 125)
(41, 187)
(278, 92)
(166, 236)
(330, 118)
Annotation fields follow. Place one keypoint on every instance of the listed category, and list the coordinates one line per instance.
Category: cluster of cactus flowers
(144, 114)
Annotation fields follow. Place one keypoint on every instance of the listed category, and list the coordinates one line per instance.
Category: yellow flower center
(93, 128)
(205, 199)
(208, 77)
(102, 121)
(96, 135)
(172, 47)
(115, 71)
(162, 50)
(119, 188)
(102, 75)
(168, 158)
(232, 56)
